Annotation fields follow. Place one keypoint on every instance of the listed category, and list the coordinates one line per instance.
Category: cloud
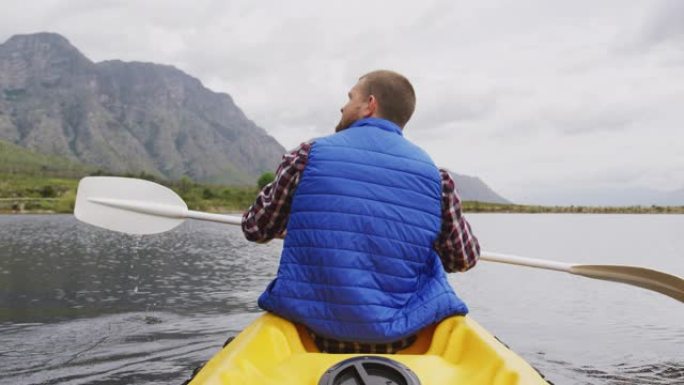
(665, 25)
(526, 95)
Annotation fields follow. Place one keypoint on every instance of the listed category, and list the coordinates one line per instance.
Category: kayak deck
(272, 350)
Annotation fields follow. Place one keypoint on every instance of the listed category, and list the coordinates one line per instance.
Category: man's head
(379, 94)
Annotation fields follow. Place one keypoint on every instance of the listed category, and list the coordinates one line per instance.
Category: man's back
(358, 262)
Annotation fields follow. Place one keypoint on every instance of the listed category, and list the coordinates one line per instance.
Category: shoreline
(37, 194)
(468, 208)
(479, 207)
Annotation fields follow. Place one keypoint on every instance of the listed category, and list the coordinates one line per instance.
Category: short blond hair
(394, 93)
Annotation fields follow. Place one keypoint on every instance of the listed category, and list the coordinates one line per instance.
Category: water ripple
(665, 373)
(80, 305)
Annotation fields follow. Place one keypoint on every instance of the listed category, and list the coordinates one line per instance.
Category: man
(370, 227)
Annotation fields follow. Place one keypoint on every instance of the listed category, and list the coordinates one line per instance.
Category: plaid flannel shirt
(267, 218)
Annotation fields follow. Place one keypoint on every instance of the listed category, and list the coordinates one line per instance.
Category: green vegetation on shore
(34, 194)
(482, 207)
(28, 193)
(35, 183)
(213, 198)
(50, 194)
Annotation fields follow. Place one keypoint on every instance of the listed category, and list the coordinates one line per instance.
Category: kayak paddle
(137, 206)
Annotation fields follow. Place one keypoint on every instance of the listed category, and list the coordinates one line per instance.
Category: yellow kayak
(272, 350)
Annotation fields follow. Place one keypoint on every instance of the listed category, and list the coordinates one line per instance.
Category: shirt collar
(383, 124)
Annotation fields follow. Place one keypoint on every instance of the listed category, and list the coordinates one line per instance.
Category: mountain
(125, 117)
(471, 188)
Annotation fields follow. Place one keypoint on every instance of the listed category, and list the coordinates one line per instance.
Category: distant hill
(125, 117)
(471, 188)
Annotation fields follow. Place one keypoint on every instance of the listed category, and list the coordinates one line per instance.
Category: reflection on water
(79, 305)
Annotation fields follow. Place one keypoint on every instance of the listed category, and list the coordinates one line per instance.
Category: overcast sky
(543, 100)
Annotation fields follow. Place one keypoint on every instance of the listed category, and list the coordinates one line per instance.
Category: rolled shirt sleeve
(456, 245)
(267, 217)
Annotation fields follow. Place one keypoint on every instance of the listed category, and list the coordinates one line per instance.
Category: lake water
(80, 305)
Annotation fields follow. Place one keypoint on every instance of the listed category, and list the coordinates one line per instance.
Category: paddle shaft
(165, 210)
(525, 261)
(227, 219)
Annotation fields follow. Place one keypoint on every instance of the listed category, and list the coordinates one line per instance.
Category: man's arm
(456, 245)
(267, 217)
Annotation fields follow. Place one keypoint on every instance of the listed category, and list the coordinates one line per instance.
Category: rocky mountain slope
(125, 117)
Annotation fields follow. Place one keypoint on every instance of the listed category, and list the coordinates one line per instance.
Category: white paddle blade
(128, 205)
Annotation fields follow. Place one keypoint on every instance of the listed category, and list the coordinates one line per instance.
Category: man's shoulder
(421, 154)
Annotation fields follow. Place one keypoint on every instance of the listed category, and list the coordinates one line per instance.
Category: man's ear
(372, 108)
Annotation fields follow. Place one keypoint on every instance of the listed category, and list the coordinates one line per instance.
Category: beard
(344, 123)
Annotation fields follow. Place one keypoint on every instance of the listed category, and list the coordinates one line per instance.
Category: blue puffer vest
(358, 262)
